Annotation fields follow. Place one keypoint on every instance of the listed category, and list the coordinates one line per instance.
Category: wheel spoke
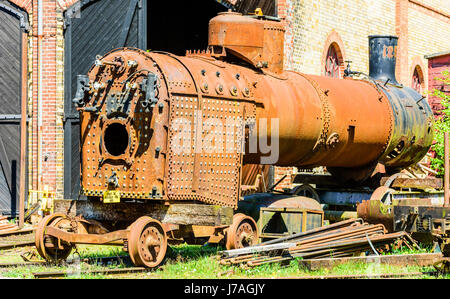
(51, 254)
(147, 242)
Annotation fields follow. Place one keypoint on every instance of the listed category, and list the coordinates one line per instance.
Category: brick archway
(65, 4)
(417, 74)
(26, 5)
(333, 52)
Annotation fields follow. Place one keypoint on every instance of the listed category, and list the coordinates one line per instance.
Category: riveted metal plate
(137, 159)
(205, 149)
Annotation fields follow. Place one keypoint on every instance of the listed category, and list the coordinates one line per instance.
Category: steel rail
(91, 261)
(15, 245)
(369, 276)
(354, 232)
(342, 248)
(118, 271)
(351, 242)
(17, 232)
(323, 229)
(22, 264)
(314, 254)
(334, 241)
(340, 236)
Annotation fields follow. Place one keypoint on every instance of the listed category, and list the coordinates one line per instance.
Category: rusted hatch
(12, 25)
(93, 27)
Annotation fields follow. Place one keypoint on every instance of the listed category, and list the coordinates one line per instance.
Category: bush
(441, 125)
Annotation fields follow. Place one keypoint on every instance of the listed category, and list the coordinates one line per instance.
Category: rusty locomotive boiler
(164, 137)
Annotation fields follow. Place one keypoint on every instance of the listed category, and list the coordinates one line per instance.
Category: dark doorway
(268, 7)
(177, 27)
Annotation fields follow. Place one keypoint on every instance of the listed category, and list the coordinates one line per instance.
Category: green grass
(195, 262)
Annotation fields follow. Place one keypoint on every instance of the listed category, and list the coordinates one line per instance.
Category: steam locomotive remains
(152, 178)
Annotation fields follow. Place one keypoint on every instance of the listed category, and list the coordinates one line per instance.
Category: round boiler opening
(116, 139)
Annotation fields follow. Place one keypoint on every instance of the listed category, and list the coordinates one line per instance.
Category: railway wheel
(306, 190)
(242, 232)
(147, 242)
(48, 247)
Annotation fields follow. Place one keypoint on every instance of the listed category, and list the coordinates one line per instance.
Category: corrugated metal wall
(10, 108)
(268, 7)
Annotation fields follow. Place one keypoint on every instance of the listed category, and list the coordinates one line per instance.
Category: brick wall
(428, 33)
(52, 81)
(287, 181)
(422, 27)
(311, 23)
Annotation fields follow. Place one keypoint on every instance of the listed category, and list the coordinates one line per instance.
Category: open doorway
(178, 27)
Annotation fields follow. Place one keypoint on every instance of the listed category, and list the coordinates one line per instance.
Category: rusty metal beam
(183, 214)
(116, 271)
(75, 238)
(14, 245)
(422, 260)
(316, 179)
(23, 131)
(369, 276)
(17, 232)
(416, 183)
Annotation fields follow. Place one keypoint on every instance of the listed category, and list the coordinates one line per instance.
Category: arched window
(333, 62)
(417, 79)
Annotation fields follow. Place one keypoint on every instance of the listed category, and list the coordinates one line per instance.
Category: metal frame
(304, 212)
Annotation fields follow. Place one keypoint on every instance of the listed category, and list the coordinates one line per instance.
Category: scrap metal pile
(345, 238)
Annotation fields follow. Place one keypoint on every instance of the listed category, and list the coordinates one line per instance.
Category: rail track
(121, 271)
(22, 264)
(116, 271)
(92, 261)
(133, 270)
(16, 245)
(372, 276)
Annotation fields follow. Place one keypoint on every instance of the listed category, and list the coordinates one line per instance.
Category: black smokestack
(382, 57)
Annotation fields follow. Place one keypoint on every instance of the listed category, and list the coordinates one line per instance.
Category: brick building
(437, 64)
(46, 43)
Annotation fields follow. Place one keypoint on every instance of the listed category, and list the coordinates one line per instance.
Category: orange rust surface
(311, 111)
(258, 42)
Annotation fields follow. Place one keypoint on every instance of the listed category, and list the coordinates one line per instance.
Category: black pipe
(382, 58)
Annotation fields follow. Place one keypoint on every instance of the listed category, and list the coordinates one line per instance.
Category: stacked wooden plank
(345, 238)
(6, 226)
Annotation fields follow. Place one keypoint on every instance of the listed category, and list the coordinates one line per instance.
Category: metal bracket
(75, 117)
(12, 118)
(150, 87)
(82, 88)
